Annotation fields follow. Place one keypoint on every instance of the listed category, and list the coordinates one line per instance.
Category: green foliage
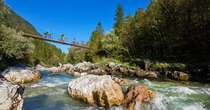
(119, 20)
(168, 66)
(113, 44)
(171, 31)
(96, 37)
(13, 47)
(47, 54)
(95, 43)
(76, 55)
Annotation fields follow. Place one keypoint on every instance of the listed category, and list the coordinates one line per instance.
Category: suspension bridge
(27, 35)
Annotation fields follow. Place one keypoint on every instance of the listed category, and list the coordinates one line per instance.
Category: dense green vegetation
(16, 49)
(167, 31)
(172, 31)
(175, 31)
(47, 54)
(13, 47)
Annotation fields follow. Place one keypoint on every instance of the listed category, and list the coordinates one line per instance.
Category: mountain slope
(44, 52)
(10, 19)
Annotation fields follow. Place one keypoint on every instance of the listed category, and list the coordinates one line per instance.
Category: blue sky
(74, 18)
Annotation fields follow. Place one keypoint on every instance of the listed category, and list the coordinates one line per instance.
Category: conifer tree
(119, 20)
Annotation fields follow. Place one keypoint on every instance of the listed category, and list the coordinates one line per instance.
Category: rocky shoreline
(96, 85)
(114, 69)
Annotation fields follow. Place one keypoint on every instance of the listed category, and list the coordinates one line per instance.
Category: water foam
(158, 103)
(147, 82)
(179, 90)
(195, 106)
(206, 90)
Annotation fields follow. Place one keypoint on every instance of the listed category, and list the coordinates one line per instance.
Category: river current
(50, 93)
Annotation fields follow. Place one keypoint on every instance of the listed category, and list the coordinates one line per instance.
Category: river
(50, 93)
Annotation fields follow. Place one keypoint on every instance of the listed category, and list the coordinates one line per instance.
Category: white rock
(93, 89)
(10, 95)
(84, 67)
(21, 75)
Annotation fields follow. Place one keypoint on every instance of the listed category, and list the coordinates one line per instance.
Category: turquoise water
(50, 93)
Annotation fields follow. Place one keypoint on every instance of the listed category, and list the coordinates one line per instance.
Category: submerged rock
(96, 90)
(21, 75)
(11, 95)
(136, 96)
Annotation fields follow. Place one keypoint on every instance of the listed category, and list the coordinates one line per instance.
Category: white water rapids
(50, 93)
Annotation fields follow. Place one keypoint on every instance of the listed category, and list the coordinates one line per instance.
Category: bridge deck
(51, 40)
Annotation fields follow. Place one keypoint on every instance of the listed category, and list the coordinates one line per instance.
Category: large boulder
(96, 90)
(136, 96)
(11, 95)
(21, 75)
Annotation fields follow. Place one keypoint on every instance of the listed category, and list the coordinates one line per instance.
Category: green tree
(13, 47)
(76, 55)
(119, 20)
(170, 30)
(95, 41)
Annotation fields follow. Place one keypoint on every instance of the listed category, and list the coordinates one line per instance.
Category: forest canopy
(167, 31)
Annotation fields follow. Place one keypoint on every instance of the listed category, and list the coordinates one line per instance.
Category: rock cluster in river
(103, 91)
(21, 75)
(111, 68)
(11, 95)
(118, 69)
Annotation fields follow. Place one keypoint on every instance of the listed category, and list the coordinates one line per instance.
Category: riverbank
(50, 93)
(125, 70)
